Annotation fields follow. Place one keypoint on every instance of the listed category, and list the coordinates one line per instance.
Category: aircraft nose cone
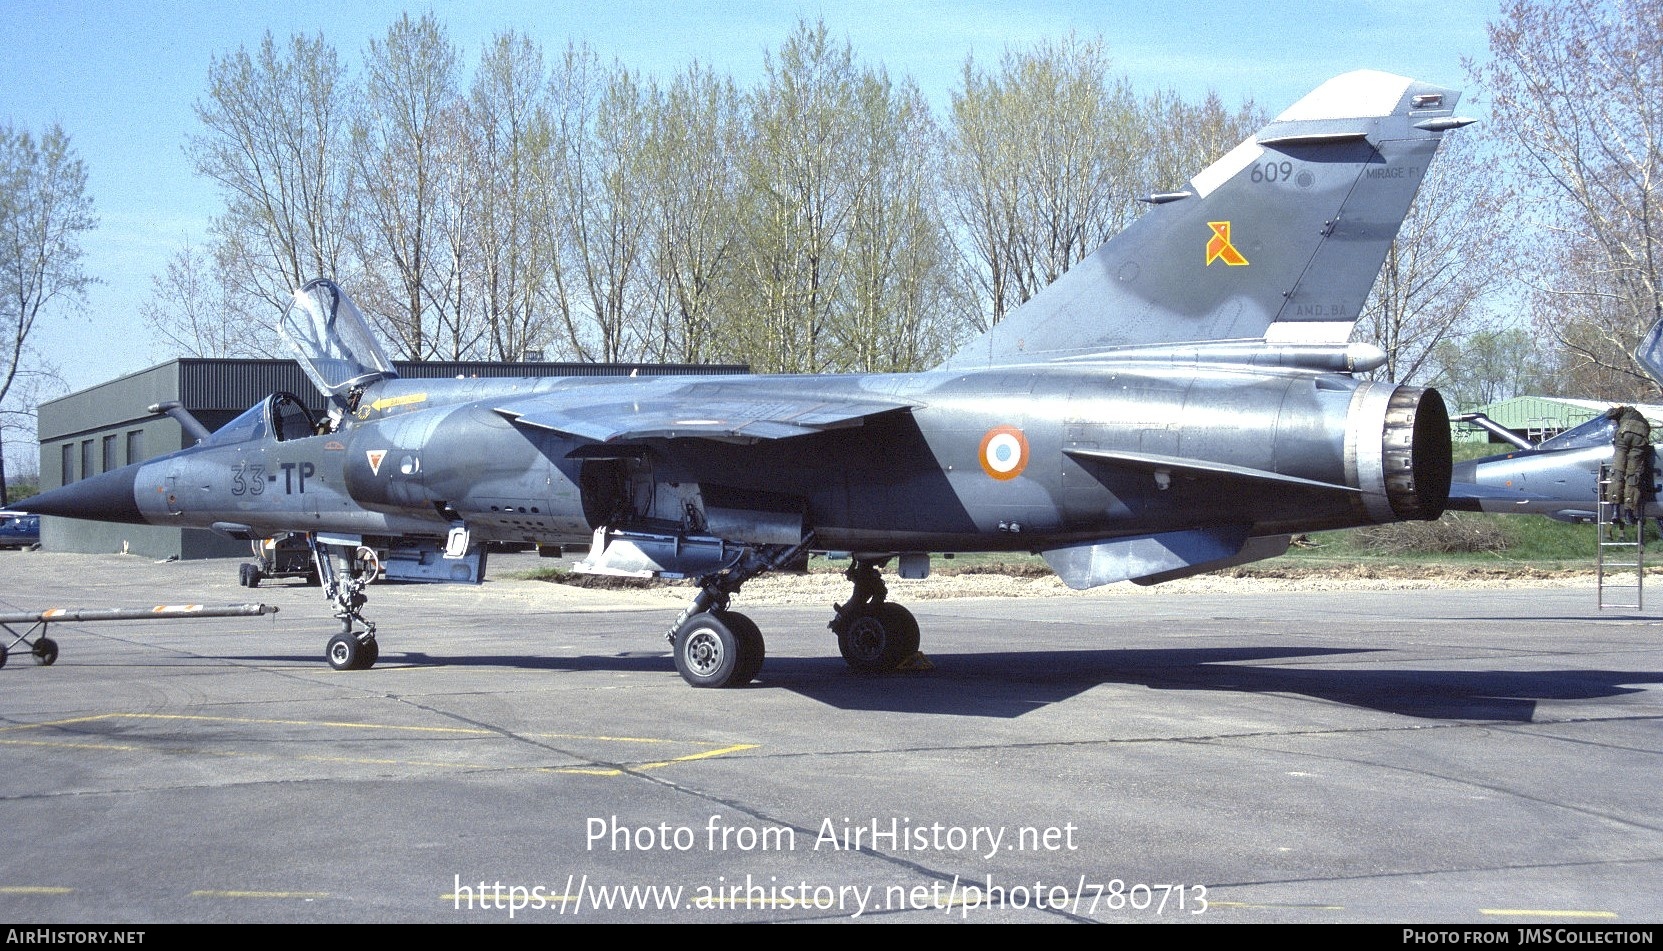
(107, 497)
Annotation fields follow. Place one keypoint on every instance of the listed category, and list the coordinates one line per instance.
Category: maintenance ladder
(1627, 558)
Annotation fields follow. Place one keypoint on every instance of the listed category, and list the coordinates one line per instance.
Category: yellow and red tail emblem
(1219, 247)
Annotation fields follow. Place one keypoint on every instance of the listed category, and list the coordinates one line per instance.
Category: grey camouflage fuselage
(1183, 399)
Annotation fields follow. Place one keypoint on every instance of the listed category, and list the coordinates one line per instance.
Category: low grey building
(108, 426)
(1542, 417)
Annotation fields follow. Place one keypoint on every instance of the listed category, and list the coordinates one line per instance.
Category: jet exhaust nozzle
(1406, 464)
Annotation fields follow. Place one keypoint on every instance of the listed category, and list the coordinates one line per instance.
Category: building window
(68, 474)
(135, 446)
(87, 470)
(109, 453)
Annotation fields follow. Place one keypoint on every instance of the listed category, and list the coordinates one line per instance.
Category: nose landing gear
(350, 649)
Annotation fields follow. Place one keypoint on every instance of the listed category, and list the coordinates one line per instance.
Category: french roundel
(1004, 452)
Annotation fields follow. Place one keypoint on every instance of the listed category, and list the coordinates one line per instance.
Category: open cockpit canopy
(332, 341)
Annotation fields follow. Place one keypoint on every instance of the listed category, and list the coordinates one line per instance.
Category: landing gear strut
(715, 647)
(873, 634)
(348, 650)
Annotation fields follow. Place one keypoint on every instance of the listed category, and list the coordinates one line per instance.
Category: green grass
(1532, 540)
(1525, 540)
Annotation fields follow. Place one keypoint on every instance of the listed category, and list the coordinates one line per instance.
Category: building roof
(1545, 415)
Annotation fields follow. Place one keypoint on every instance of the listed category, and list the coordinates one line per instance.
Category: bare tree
(398, 141)
(276, 139)
(1441, 268)
(456, 298)
(1046, 158)
(1078, 169)
(40, 381)
(1580, 311)
(586, 211)
(894, 318)
(696, 132)
(1573, 89)
(1492, 365)
(44, 213)
(981, 173)
(190, 313)
(800, 189)
(510, 134)
(1180, 138)
(599, 206)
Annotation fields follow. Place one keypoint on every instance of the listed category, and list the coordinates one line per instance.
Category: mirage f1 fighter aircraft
(1560, 477)
(1182, 400)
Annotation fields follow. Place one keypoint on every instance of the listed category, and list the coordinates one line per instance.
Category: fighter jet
(1182, 400)
(1558, 477)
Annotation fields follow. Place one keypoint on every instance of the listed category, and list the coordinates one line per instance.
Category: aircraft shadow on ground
(1012, 684)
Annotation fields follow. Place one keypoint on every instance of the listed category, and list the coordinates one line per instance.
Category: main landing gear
(716, 647)
(874, 634)
(350, 649)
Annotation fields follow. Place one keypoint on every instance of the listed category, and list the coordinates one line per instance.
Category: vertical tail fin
(1649, 353)
(1281, 238)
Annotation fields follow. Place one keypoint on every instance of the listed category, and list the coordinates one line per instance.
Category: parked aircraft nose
(107, 497)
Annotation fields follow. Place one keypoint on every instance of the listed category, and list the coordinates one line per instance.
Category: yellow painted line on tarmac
(346, 724)
(35, 890)
(57, 745)
(364, 761)
(466, 903)
(68, 722)
(1271, 906)
(214, 893)
(1546, 913)
(737, 748)
(348, 760)
(607, 739)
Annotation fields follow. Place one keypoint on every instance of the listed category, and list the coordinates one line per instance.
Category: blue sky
(122, 78)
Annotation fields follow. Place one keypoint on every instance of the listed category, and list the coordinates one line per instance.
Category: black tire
(878, 639)
(371, 653)
(2, 656)
(344, 652)
(248, 576)
(905, 626)
(45, 651)
(753, 650)
(711, 653)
